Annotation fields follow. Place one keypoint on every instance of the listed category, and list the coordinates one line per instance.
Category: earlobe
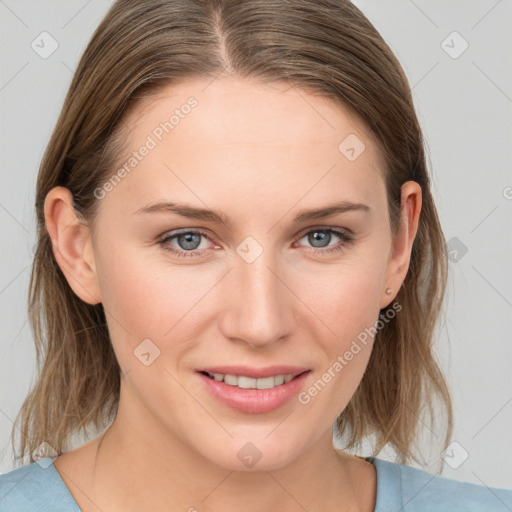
(72, 244)
(399, 261)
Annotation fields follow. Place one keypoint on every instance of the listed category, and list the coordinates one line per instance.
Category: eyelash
(346, 240)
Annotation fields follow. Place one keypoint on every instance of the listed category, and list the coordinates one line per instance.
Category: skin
(246, 149)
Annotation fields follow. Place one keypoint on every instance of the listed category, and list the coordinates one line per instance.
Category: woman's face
(265, 283)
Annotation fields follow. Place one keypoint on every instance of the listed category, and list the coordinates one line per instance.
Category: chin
(262, 454)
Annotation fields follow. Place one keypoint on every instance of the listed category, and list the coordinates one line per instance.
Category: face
(265, 283)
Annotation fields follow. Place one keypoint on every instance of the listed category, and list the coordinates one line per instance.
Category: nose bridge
(259, 307)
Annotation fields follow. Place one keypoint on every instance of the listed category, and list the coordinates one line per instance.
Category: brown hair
(327, 47)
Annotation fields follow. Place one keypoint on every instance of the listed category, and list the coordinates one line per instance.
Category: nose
(259, 307)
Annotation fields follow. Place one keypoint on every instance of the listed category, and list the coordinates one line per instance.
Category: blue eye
(321, 237)
(188, 242)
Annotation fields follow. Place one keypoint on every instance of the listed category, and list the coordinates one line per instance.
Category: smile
(245, 382)
(256, 393)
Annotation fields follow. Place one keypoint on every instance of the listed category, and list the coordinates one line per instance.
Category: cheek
(133, 299)
(349, 307)
(127, 286)
(346, 300)
(345, 296)
(148, 298)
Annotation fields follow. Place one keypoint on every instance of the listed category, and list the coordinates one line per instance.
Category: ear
(400, 255)
(72, 244)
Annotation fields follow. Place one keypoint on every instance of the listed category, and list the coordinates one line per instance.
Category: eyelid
(182, 231)
(305, 231)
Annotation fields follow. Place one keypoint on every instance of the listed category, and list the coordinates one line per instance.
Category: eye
(320, 238)
(187, 243)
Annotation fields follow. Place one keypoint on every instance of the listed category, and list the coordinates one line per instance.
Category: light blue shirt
(39, 487)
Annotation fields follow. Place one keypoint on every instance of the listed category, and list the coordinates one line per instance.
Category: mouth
(246, 382)
(254, 390)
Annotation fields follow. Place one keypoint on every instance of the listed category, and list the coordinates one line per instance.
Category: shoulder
(416, 490)
(37, 486)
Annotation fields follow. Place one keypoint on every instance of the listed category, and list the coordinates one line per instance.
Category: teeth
(231, 380)
(250, 383)
(278, 379)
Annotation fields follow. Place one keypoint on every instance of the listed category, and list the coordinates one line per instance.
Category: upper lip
(255, 373)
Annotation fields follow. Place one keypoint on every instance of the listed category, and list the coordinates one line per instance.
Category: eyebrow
(208, 215)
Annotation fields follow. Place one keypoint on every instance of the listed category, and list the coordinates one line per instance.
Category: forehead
(246, 137)
(239, 110)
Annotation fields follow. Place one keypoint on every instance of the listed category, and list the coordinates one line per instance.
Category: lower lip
(254, 401)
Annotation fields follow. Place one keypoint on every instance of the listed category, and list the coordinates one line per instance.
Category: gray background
(464, 105)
